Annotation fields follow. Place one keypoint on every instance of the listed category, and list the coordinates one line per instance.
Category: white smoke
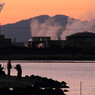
(56, 31)
(89, 15)
(48, 28)
(76, 26)
(1, 5)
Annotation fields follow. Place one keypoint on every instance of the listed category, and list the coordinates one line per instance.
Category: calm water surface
(72, 73)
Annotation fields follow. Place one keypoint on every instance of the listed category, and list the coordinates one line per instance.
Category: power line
(41, 28)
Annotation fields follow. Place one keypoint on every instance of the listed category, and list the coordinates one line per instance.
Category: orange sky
(16, 10)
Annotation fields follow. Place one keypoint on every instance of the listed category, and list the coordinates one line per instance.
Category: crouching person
(19, 71)
(2, 73)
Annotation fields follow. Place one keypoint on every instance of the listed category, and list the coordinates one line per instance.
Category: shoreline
(62, 61)
(31, 85)
(51, 61)
(28, 80)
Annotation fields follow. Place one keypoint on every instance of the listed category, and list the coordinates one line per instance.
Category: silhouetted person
(9, 67)
(19, 71)
(2, 73)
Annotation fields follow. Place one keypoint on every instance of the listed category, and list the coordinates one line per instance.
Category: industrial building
(39, 42)
(4, 42)
(81, 39)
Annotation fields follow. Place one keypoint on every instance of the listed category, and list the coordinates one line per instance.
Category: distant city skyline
(16, 10)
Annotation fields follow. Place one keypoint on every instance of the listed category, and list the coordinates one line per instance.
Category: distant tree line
(54, 52)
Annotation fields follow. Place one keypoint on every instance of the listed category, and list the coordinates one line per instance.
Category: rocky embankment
(32, 85)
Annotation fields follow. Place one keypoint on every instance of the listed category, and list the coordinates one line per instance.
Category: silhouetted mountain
(62, 19)
(21, 30)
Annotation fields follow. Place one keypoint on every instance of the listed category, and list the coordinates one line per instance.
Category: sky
(16, 10)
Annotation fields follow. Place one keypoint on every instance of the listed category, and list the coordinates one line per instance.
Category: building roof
(82, 34)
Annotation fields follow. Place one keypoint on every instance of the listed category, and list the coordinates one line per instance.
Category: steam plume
(89, 15)
(75, 26)
(1, 6)
(48, 28)
(56, 31)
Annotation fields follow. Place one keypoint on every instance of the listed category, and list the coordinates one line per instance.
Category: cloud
(1, 5)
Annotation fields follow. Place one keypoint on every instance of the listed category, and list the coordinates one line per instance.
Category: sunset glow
(16, 10)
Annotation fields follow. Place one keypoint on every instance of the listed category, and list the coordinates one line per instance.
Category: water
(72, 73)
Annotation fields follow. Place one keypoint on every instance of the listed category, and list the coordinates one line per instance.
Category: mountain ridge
(21, 30)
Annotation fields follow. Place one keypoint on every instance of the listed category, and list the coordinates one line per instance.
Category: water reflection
(72, 73)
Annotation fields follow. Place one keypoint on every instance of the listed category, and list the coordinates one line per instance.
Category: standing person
(19, 71)
(9, 67)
